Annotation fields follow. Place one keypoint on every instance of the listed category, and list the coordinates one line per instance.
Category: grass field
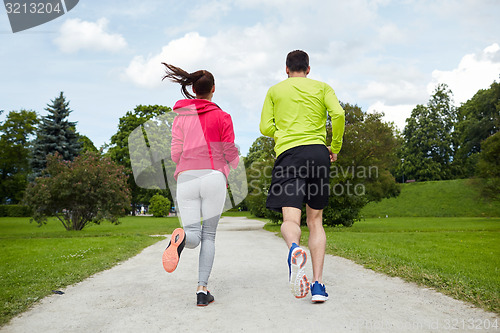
(37, 260)
(438, 199)
(457, 256)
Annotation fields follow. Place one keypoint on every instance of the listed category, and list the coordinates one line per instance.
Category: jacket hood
(194, 106)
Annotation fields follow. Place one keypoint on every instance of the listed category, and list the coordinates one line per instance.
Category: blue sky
(380, 54)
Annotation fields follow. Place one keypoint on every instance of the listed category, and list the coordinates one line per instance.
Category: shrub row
(14, 211)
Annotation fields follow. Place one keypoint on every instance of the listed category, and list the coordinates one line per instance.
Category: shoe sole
(299, 285)
(205, 304)
(171, 254)
(319, 298)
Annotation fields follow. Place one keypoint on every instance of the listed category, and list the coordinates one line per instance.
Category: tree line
(45, 160)
(442, 141)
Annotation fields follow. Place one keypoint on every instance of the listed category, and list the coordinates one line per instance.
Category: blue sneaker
(299, 285)
(318, 292)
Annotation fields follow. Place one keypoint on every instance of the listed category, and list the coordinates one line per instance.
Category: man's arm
(337, 115)
(267, 125)
(333, 157)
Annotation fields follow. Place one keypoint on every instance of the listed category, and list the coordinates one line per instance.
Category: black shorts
(300, 175)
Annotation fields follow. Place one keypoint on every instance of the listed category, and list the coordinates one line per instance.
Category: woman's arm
(231, 153)
(177, 141)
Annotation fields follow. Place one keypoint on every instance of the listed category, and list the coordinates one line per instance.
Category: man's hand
(333, 156)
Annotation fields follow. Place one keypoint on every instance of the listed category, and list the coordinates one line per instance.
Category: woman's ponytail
(202, 80)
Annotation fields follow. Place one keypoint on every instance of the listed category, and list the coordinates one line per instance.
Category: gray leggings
(201, 194)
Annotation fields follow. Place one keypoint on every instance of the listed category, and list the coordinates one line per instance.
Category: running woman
(202, 149)
(294, 114)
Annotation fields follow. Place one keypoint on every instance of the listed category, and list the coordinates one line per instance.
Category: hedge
(14, 211)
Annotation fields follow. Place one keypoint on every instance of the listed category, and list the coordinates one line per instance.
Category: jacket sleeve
(177, 141)
(337, 115)
(231, 153)
(267, 125)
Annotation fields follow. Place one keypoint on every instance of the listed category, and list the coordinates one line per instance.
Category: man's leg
(317, 241)
(290, 229)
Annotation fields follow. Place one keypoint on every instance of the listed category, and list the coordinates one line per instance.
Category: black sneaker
(203, 299)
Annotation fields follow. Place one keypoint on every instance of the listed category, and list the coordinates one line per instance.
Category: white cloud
(392, 92)
(209, 10)
(76, 34)
(185, 52)
(243, 62)
(474, 72)
(393, 113)
(390, 33)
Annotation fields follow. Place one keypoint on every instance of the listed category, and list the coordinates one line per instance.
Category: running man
(294, 114)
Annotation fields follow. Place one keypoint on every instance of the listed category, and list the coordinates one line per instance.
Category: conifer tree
(55, 134)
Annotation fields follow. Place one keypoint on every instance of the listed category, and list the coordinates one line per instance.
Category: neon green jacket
(294, 114)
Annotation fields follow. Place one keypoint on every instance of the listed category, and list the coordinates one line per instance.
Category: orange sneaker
(173, 251)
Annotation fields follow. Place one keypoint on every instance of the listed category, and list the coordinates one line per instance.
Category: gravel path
(250, 286)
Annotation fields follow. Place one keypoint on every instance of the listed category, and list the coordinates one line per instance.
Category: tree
(86, 144)
(429, 145)
(88, 190)
(478, 119)
(488, 167)
(261, 150)
(159, 206)
(15, 144)
(362, 171)
(55, 134)
(119, 148)
(259, 180)
(259, 164)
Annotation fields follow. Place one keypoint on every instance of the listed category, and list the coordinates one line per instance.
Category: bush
(159, 206)
(259, 180)
(15, 211)
(88, 190)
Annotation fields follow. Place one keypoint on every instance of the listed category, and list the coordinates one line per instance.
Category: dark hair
(297, 61)
(202, 80)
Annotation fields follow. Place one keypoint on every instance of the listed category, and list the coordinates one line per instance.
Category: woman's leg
(213, 194)
(189, 204)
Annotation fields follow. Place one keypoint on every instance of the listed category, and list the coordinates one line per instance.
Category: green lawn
(438, 198)
(36, 260)
(457, 256)
(237, 214)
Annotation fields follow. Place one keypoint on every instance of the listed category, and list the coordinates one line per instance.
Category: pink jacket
(202, 137)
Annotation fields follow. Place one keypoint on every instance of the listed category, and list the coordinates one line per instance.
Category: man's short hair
(297, 61)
